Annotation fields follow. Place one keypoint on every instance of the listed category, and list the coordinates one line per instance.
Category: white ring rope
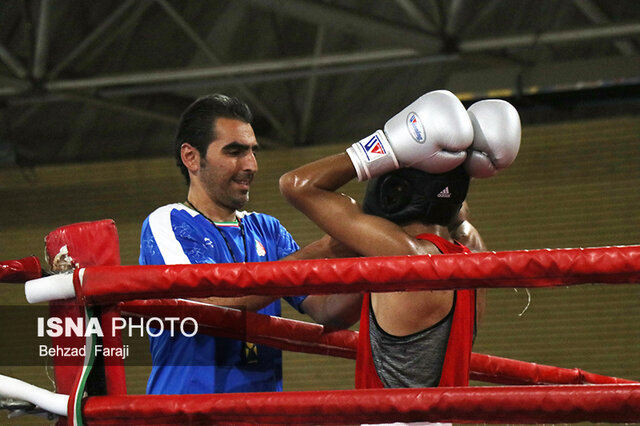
(52, 402)
(53, 287)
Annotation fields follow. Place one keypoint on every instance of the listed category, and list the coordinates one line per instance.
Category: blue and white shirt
(176, 234)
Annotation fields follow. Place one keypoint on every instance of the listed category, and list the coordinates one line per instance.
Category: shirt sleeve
(149, 250)
(287, 245)
(169, 238)
(285, 242)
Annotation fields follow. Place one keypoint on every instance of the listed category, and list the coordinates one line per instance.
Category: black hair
(196, 125)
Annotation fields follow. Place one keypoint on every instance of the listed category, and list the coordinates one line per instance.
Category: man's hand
(249, 303)
(466, 234)
(334, 310)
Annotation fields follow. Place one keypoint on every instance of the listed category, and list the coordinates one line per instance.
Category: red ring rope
(530, 404)
(299, 336)
(508, 404)
(281, 333)
(493, 369)
(20, 270)
(539, 268)
(535, 268)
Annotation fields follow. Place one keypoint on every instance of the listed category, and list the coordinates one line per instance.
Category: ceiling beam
(551, 37)
(96, 34)
(454, 16)
(122, 108)
(327, 64)
(597, 16)
(210, 54)
(9, 85)
(126, 23)
(481, 13)
(345, 20)
(41, 53)
(419, 18)
(13, 63)
(160, 76)
(37, 101)
(291, 74)
(369, 57)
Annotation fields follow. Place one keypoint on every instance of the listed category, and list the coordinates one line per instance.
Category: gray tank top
(412, 361)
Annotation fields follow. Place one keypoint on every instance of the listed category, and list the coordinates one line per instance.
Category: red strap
(366, 374)
(455, 369)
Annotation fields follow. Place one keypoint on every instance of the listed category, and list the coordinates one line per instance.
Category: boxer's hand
(431, 134)
(496, 137)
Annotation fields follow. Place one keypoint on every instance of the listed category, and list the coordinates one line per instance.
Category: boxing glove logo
(373, 148)
(415, 127)
(445, 193)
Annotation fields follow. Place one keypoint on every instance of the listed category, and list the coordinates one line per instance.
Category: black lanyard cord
(244, 239)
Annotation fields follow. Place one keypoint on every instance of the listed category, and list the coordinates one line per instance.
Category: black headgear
(409, 194)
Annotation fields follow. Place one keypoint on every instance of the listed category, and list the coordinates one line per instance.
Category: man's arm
(324, 248)
(334, 310)
(249, 303)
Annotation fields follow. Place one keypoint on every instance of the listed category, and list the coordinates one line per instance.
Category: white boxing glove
(431, 134)
(496, 137)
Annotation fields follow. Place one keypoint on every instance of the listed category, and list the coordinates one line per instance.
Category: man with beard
(215, 149)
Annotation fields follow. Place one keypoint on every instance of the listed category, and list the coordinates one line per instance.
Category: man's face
(228, 167)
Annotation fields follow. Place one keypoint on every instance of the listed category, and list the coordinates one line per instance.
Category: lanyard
(244, 240)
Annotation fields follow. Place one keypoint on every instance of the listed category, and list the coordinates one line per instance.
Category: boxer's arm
(311, 189)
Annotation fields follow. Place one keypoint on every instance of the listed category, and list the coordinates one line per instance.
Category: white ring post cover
(54, 287)
(51, 402)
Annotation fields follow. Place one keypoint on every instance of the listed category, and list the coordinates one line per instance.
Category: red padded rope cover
(526, 268)
(87, 243)
(507, 404)
(20, 270)
(300, 336)
(493, 369)
(281, 333)
(84, 244)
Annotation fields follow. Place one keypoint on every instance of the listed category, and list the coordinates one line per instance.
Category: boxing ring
(100, 288)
